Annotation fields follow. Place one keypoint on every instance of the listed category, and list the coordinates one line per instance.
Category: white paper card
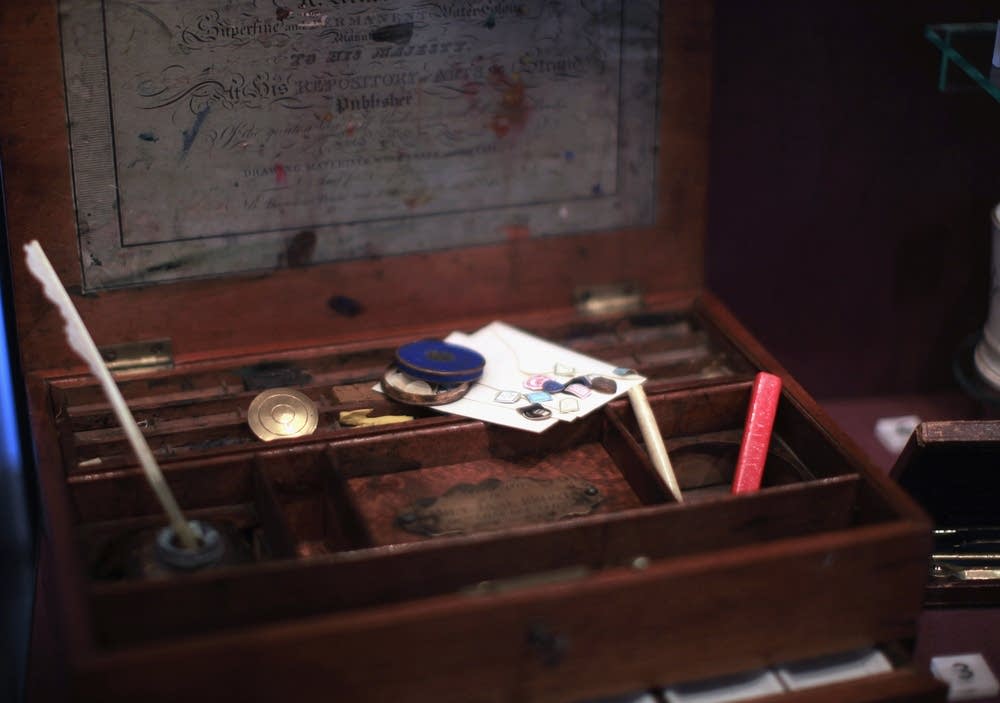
(822, 671)
(513, 355)
(968, 676)
(641, 697)
(738, 687)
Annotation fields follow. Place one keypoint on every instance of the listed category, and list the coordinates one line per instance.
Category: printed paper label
(215, 137)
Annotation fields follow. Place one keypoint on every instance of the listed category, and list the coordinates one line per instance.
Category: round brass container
(280, 413)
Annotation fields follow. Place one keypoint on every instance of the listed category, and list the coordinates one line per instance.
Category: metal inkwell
(499, 503)
(149, 553)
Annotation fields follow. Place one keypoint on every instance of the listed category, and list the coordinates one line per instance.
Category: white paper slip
(738, 687)
(512, 357)
(481, 403)
(968, 676)
(639, 697)
(821, 671)
(894, 432)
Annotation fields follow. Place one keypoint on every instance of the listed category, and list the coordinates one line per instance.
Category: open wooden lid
(229, 177)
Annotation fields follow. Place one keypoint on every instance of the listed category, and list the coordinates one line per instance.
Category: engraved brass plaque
(494, 504)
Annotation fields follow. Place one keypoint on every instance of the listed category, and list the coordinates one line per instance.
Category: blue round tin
(437, 361)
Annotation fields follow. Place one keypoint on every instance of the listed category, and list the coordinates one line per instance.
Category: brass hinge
(135, 357)
(608, 299)
(526, 581)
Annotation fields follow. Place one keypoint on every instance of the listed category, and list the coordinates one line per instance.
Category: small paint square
(536, 382)
(603, 385)
(579, 390)
(535, 412)
(553, 386)
(507, 397)
(539, 397)
(569, 405)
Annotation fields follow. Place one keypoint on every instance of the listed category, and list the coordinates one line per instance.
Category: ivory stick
(654, 440)
(83, 344)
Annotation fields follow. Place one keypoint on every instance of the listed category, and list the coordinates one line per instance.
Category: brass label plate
(495, 504)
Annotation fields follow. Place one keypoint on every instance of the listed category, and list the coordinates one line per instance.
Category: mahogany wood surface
(805, 516)
(139, 611)
(381, 499)
(798, 569)
(614, 638)
(131, 614)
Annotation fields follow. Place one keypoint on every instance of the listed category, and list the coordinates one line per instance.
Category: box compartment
(325, 516)
(202, 411)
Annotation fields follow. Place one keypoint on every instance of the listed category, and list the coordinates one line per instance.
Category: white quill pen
(81, 342)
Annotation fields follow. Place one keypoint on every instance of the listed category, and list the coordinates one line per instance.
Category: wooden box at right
(951, 469)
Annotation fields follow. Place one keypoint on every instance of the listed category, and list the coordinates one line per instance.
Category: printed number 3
(963, 671)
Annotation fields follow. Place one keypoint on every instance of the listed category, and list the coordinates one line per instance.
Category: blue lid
(437, 361)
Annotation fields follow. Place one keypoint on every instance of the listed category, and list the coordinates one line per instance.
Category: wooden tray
(737, 576)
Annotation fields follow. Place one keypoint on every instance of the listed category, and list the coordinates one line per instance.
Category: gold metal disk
(279, 413)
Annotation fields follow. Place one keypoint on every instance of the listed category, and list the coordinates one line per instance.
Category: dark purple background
(850, 216)
(849, 199)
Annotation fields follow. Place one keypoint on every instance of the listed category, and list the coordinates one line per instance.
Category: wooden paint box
(244, 196)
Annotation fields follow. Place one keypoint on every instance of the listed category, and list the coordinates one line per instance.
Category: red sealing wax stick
(757, 433)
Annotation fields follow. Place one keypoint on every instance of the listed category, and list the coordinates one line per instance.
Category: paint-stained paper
(211, 137)
(512, 356)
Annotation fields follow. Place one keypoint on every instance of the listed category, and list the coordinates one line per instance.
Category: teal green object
(969, 46)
